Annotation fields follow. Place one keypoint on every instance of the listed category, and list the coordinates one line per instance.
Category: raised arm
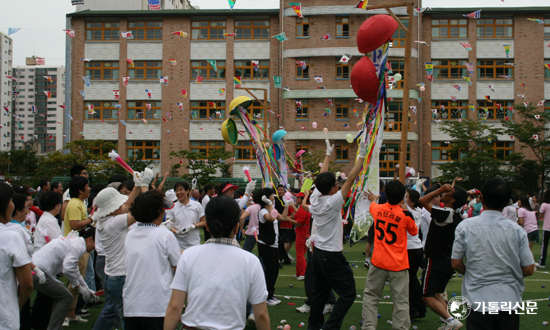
(426, 201)
(354, 171)
(326, 162)
(161, 185)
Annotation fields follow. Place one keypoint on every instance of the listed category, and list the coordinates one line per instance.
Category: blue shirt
(495, 249)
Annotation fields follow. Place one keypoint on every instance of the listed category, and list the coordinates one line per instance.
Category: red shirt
(287, 224)
(303, 217)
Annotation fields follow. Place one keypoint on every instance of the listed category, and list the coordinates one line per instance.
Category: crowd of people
(139, 247)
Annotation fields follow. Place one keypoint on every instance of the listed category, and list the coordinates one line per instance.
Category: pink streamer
(115, 157)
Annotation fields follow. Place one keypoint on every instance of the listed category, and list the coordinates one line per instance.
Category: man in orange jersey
(389, 259)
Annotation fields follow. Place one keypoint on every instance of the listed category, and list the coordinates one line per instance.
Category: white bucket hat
(171, 195)
(107, 201)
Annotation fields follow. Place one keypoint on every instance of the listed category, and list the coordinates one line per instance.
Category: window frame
(547, 28)
(342, 150)
(197, 148)
(155, 30)
(100, 150)
(255, 108)
(339, 66)
(209, 70)
(339, 22)
(342, 108)
(102, 70)
(248, 66)
(210, 111)
(400, 69)
(387, 166)
(449, 108)
(300, 112)
(240, 149)
(144, 147)
(492, 108)
(507, 147)
(481, 24)
(154, 114)
(132, 70)
(396, 127)
(444, 148)
(400, 35)
(439, 66)
(449, 27)
(302, 23)
(208, 28)
(301, 145)
(302, 74)
(101, 109)
(495, 67)
(102, 28)
(253, 32)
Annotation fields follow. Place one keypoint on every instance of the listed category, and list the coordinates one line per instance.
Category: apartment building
(6, 83)
(151, 119)
(38, 97)
(507, 57)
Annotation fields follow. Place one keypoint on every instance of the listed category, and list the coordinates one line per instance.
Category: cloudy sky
(42, 21)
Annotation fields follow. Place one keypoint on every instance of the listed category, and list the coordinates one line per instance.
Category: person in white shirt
(114, 219)
(234, 276)
(330, 267)
(61, 255)
(152, 254)
(187, 217)
(15, 265)
(209, 191)
(426, 219)
(48, 227)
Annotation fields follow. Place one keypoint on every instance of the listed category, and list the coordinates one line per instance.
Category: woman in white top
(187, 217)
(527, 218)
(152, 254)
(268, 238)
(15, 265)
(217, 278)
(417, 308)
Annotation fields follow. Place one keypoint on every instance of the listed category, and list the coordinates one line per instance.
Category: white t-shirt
(413, 242)
(205, 201)
(12, 254)
(326, 210)
(425, 225)
(185, 215)
(275, 226)
(151, 254)
(113, 231)
(98, 245)
(25, 235)
(47, 226)
(61, 255)
(511, 213)
(219, 279)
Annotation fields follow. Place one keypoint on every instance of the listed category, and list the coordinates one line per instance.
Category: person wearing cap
(303, 218)
(77, 170)
(187, 216)
(114, 219)
(152, 254)
(227, 189)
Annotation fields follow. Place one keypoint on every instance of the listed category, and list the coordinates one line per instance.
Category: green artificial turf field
(537, 289)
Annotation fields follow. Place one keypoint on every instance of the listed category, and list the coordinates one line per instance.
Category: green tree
(474, 158)
(201, 167)
(532, 132)
(23, 165)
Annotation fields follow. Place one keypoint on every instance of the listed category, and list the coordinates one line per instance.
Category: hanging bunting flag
(63, 106)
(522, 96)
(91, 109)
(83, 94)
(127, 34)
(180, 105)
(154, 4)
(457, 87)
(117, 94)
(148, 92)
(490, 86)
(547, 66)
(148, 105)
(13, 30)
(507, 49)
(467, 78)
(70, 33)
(466, 45)
(125, 81)
(475, 14)
(319, 79)
(504, 76)
(345, 58)
(40, 60)
(321, 87)
(48, 78)
(232, 3)
(470, 68)
(297, 8)
(421, 42)
(526, 104)
(256, 65)
(173, 61)
(86, 80)
(523, 85)
(536, 137)
(130, 61)
(199, 79)
(164, 80)
(85, 59)
(211, 104)
(232, 35)
(184, 92)
(213, 64)
(540, 21)
(286, 89)
(298, 104)
(429, 68)
(541, 103)
(326, 36)
(281, 36)
(471, 106)
(329, 101)
(33, 108)
(180, 33)
(237, 81)
(6, 108)
(453, 98)
(222, 91)
(537, 117)
(430, 78)
(488, 98)
(302, 64)
(362, 4)
(12, 78)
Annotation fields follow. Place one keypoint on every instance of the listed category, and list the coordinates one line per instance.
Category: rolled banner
(246, 171)
(115, 157)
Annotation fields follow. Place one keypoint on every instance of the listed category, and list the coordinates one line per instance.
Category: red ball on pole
(374, 32)
(364, 81)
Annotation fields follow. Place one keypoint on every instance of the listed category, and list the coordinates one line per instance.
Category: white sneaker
(539, 265)
(328, 308)
(77, 319)
(291, 258)
(304, 309)
(453, 325)
(251, 320)
(66, 322)
(301, 278)
(272, 302)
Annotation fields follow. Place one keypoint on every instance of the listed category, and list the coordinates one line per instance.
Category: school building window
(205, 70)
(252, 29)
(244, 151)
(546, 70)
(495, 69)
(146, 30)
(400, 35)
(102, 31)
(101, 110)
(102, 70)
(150, 70)
(449, 69)
(389, 157)
(245, 70)
(445, 110)
(342, 26)
(302, 145)
(256, 110)
(201, 110)
(144, 110)
(398, 67)
(300, 72)
(449, 28)
(208, 30)
(100, 149)
(342, 150)
(143, 150)
(495, 28)
(503, 149)
(302, 112)
(342, 70)
(204, 147)
(302, 27)
(495, 110)
(547, 28)
(394, 116)
(443, 151)
(342, 109)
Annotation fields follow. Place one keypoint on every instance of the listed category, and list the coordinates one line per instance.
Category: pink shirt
(253, 219)
(545, 209)
(530, 223)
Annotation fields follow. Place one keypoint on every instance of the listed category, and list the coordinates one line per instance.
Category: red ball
(374, 32)
(364, 81)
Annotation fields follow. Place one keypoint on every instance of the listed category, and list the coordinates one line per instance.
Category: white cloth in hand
(288, 202)
(362, 149)
(329, 148)
(40, 274)
(250, 187)
(186, 230)
(137, 178)
(85, 292)
(266, 200)
(168, 224)
(194, 184)
(147, 177)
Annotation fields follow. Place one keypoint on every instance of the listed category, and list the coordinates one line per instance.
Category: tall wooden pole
(405, 111)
